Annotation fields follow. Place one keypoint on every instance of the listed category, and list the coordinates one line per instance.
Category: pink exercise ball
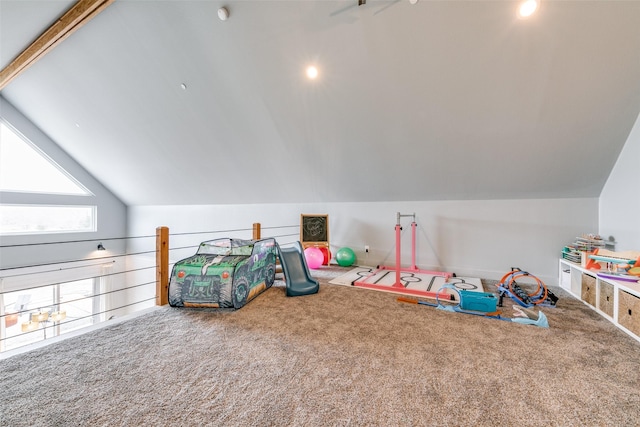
(314, 257)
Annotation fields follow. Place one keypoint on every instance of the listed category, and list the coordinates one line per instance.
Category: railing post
(162, 265)
(256, 231)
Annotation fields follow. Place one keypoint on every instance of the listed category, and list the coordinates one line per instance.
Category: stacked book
(570, 253)
(589, 243)
(585, 243)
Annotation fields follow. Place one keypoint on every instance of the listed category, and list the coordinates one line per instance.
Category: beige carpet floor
(342, 357)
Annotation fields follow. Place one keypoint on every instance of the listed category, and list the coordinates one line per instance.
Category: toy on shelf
(614, 261)
(590, 242)
(621, 277)
(584, 245)
(634, 271)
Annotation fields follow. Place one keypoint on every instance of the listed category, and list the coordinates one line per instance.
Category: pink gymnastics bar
(398, 286)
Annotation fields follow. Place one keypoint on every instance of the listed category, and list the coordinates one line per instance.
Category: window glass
(26, 169)
(24, 219)
(19, 308)
(24, 310)
(78, 300)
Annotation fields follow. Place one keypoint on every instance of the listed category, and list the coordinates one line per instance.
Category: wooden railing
(162, 266)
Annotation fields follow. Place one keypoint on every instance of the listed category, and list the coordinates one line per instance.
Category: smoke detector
(223, 14)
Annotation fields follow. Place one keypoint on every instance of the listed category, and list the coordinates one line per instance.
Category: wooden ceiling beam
(78, 15)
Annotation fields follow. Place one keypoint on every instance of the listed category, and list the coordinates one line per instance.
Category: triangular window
(24, 168)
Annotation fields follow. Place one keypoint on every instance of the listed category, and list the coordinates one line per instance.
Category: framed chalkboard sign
(314, 230)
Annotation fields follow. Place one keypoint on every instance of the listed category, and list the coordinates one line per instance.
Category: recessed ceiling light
(527, 8)
(312, 72)
(183, 86)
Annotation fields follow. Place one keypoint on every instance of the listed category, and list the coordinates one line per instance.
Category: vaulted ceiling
(166, 104)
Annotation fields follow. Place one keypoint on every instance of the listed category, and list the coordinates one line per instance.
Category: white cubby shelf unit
(618, 301)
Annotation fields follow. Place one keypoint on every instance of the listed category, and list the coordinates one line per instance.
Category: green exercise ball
(345, 257)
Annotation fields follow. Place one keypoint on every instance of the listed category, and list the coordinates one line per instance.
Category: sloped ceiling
(444, 99)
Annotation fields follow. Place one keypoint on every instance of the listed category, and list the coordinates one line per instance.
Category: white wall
(111, 211)
(470, 238)
(620, 201)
